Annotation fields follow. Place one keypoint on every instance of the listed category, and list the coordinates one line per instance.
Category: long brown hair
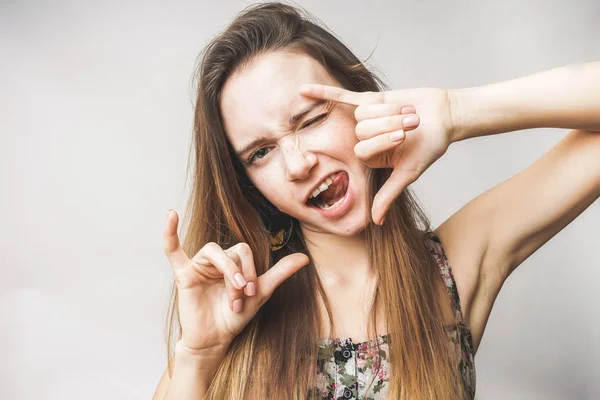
(275, 355)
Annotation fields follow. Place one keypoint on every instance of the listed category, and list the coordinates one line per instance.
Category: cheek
(341, 138)
(265, 182)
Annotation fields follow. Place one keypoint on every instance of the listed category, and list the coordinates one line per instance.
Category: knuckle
(210, 246)
(397, 122)
(244, 249)
(389, 123)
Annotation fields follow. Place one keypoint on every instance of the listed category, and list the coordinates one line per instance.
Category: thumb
(278, 273)
(390, 190)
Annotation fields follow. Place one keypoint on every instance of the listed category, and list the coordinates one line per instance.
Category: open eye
(258, 154)
(314, 120)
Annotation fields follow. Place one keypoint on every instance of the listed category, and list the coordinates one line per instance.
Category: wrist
(488, 110)
(207, 359)
(193, 371)
(459, 115)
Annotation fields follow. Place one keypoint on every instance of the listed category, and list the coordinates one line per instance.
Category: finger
(244, 253)
(369, 111)
(365, 150)
(212, 254)
(235, 297)
(390, 190)
(409, 110)
(175, 254)
(373, 127)
(286, 267)
(340, 95)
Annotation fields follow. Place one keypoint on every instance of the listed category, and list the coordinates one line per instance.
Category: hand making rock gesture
(218, 289)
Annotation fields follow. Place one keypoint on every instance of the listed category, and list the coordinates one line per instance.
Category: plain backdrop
(95, 123)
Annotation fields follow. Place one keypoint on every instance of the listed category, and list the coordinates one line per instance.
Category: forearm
(192, 375)
(566, 97)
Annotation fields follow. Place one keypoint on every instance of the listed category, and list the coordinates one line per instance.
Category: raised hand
(218, 289)
(389, 138)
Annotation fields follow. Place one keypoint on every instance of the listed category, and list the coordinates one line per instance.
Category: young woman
(309, 270)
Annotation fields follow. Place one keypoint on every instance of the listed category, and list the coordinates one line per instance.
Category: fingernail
(237, 305)
(239, 279)
(169, 213)
(250, 289)
(408, 110)
(410, 122)
(396, 136)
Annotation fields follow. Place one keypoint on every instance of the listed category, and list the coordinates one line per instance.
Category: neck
(340, 261)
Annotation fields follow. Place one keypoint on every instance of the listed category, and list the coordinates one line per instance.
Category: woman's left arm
(567, 97)
(522, 213)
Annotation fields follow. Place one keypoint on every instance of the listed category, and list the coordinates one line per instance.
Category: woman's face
(291, 144)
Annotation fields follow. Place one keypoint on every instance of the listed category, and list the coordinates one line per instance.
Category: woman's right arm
(218, 293)
(191, 375)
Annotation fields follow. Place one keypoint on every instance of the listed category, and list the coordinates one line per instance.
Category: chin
(352, 227)
(351, 232)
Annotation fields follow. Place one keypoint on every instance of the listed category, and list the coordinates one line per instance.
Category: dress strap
(467, 362)
(437, 251)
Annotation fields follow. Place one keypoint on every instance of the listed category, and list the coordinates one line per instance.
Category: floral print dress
(360, 370)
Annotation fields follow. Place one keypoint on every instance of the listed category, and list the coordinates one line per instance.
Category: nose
(297, 162)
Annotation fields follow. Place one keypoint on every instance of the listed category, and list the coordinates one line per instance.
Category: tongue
(336, 190)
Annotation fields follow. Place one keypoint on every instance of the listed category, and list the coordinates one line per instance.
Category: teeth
(324, 206)
(323, 186)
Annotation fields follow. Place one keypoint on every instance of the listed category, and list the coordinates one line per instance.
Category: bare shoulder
(465, 247)
(163, 385)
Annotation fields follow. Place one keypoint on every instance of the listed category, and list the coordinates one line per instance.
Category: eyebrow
(294, 119)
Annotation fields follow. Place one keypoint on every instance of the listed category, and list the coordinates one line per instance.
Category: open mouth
(333, 195)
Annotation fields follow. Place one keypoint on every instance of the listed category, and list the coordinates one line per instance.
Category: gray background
(95, 121)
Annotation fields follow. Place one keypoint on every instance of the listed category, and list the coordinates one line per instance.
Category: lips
(343, 205)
